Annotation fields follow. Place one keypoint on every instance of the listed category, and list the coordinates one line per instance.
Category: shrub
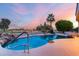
(64, 25)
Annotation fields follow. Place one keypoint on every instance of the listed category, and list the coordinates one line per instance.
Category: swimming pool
(34, 42)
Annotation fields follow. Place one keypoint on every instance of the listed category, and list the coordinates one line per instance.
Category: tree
(50, 19)
(44, 28)
(4, 24)
(39, 27)
(64, 25)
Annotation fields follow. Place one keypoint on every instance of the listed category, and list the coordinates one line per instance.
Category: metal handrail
(13, 40)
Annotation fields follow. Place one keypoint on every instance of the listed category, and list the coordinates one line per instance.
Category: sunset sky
(30, 15)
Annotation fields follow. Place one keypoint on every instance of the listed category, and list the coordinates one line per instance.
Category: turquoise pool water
(34, 42)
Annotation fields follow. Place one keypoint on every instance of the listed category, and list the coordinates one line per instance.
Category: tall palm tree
(50, 19)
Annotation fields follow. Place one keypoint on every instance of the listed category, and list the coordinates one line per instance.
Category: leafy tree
(4, 24)
(64, 25)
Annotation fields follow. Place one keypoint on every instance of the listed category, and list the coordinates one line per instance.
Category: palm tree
(50, 19)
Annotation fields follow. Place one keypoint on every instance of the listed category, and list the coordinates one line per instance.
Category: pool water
(34, 42)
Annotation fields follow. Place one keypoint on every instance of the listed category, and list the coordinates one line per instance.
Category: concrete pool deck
(61, 47)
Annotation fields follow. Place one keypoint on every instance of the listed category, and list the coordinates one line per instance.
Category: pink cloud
(35, 22)
(65, 11)
(39, 13)
(19, 9)
(40, 10)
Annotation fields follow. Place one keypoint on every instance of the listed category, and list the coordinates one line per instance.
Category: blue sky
(31, 15)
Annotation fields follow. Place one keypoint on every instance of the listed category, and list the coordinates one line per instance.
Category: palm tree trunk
(50, 24)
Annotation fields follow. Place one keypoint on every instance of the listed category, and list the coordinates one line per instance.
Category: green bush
(64, 25)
